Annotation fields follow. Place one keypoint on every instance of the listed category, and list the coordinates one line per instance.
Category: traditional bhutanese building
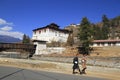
(47, 34)
(50, 33)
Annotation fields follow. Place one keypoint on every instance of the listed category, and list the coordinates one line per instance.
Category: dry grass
(112, 51)
(106, 52)
(27, 65)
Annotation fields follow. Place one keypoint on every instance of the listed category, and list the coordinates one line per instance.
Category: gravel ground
(113, 62)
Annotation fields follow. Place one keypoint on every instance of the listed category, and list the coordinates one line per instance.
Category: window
(55, 33)
(34, 32)
(44, 30)
(39, 31)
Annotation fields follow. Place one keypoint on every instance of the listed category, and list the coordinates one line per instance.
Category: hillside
(8, 39)
(99, 30)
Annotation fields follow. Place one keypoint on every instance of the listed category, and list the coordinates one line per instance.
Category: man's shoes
(83, 72)
(80, 73)
(73, 73)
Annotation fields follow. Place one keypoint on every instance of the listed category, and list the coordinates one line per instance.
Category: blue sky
(18, 17)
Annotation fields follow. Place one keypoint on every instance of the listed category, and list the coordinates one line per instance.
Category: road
(10, 73)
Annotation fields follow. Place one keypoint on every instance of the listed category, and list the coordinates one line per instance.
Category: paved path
(9, 73)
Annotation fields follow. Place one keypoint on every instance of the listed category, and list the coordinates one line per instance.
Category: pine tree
(96, 32)
(26, 39)
(105, 28)
(84, 35)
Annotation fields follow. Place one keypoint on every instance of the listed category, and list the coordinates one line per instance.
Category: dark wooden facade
(15, 46)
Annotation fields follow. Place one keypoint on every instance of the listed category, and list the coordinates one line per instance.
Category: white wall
(105, 44)
(40, 46)
(117, 44)
(55, 50)
(50, 35)
(50, 50)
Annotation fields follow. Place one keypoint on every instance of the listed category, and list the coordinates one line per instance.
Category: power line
(11, 74)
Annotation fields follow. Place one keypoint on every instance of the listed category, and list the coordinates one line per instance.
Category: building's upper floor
(50, 33)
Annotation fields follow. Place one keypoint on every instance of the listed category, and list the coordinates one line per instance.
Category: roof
(53, 27)
(97, 41)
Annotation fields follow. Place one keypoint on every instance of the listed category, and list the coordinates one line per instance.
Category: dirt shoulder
(66, 68)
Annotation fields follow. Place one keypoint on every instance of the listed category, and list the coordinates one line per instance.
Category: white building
(40, 46)
(50, 33)
(101, 43)
(47, 34)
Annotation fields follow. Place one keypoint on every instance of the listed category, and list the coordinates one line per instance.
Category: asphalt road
(10, 73)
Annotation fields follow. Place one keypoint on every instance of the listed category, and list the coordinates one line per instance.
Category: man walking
(83, 63)
(76, 64)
